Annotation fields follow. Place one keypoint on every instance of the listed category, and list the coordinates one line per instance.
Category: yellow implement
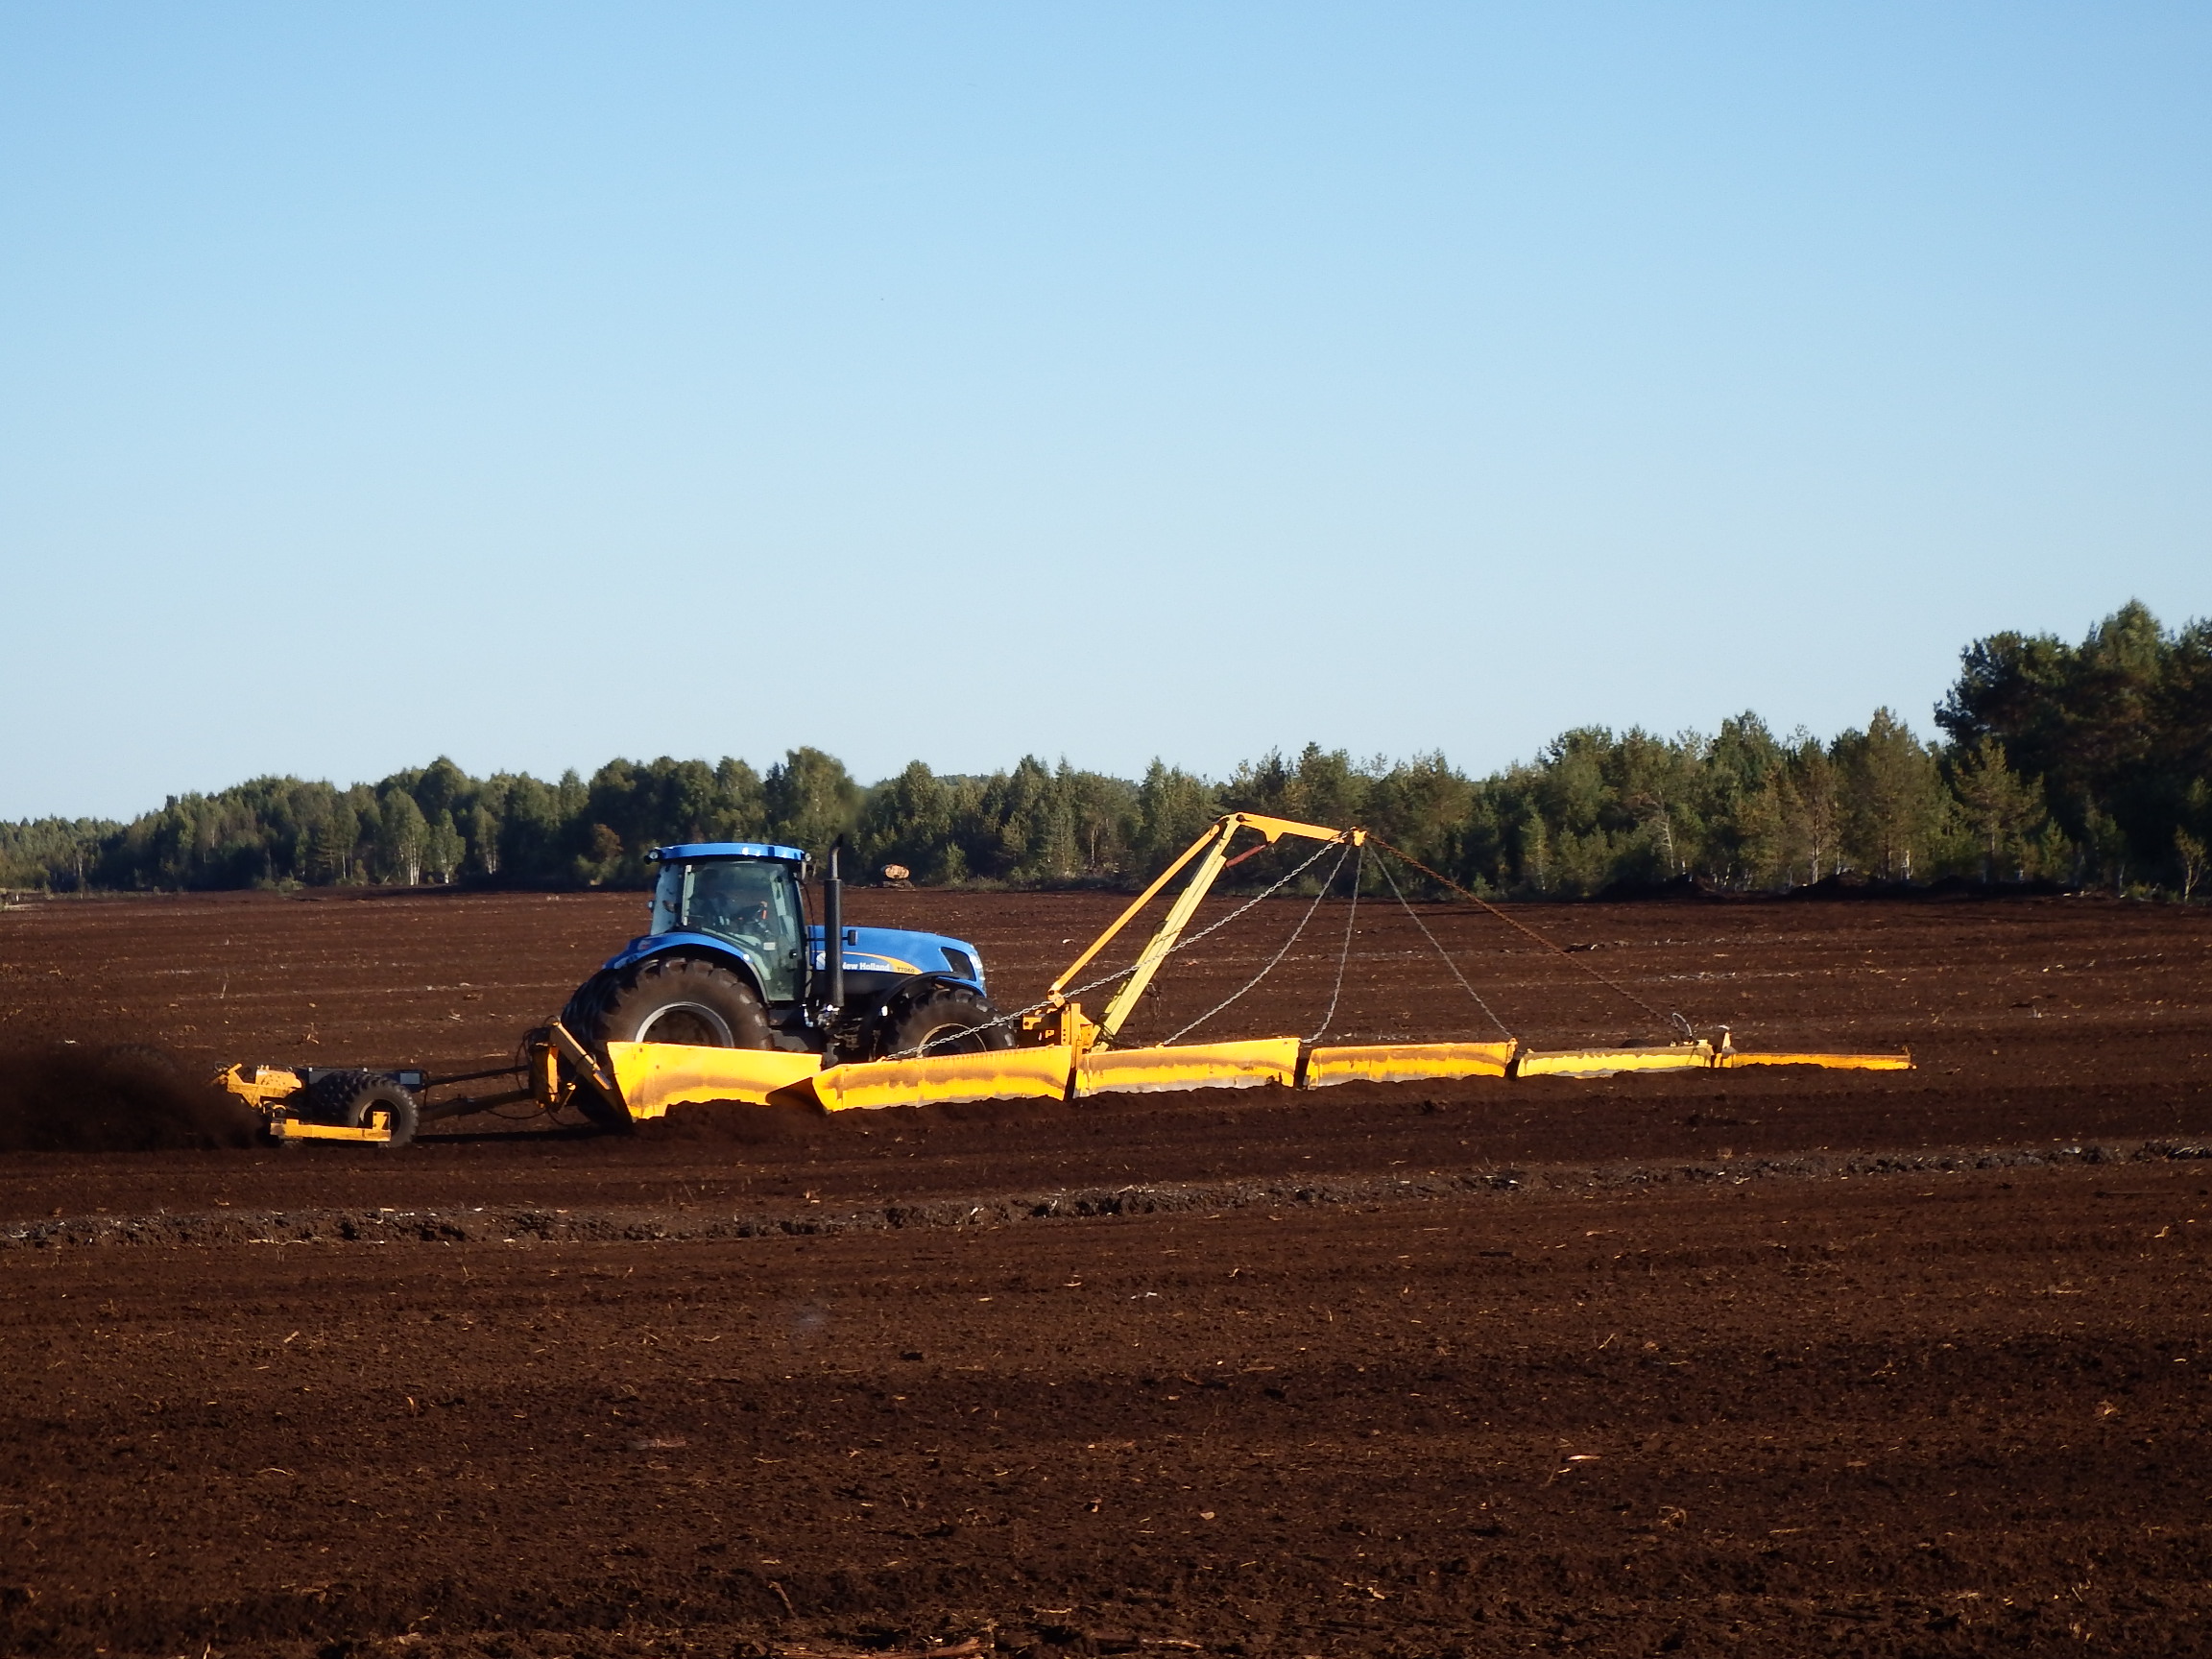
(265, 1088)
(1611, 1061)
(1699, 1056)
(1009, 1074)
(1730, 1061)
(1064, 1055)
(651, 1077)
(1409, 1062)
(1198, 1066)
(276, 1091)
(376, 1132)
(654, 1076)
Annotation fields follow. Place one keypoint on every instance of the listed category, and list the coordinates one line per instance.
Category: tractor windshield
(753, 901)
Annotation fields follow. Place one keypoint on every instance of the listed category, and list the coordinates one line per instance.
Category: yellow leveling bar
(1732, 1061)
(1407, 1062)
(1007, 1073)
(654, 1076)
(1609, 1061)
(1699, 1056)
(1197, 1066)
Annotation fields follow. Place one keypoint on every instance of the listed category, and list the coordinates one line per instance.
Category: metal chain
(1674, 1020)
(1343, 955)
(1272, 960)
(1446, 955)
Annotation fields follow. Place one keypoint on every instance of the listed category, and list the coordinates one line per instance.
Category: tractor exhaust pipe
(833, 931)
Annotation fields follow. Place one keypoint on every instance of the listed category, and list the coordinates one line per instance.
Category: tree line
(2058, 763)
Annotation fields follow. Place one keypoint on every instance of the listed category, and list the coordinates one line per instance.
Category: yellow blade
(1406, 1062)
(1607, 1061)
(654, 1076)
(1199, 1066)
(1828, 1061)
(1011, 1073)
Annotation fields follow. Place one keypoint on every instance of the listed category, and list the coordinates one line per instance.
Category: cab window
(754, 904)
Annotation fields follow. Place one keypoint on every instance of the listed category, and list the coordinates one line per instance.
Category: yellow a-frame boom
(1061, 1021)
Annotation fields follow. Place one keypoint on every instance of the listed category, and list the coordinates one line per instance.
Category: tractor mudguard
(889, 1007)
(729, 954)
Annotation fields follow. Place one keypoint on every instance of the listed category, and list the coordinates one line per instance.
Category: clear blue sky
(536, 384)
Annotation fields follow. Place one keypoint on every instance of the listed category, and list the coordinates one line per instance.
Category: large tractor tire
(668, 999)
(948, 1022)
(346, 1098)
(662, 999)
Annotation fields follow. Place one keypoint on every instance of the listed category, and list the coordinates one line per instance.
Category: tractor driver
(736, 900)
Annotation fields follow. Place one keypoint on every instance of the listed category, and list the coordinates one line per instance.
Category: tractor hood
(896, 951)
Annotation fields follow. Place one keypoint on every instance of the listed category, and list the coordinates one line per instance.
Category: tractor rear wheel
(950, 1023)
(662, 999)
(347, 1099)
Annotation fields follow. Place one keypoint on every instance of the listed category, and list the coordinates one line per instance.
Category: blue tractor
(731, 961)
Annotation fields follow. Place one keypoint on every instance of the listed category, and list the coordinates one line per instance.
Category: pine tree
(2002, 809)
(1892, 795)
(1173, 806)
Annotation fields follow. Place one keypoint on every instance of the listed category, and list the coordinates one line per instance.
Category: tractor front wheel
(950, 1023)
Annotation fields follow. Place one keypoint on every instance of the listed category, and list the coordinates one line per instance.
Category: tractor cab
(745, 895)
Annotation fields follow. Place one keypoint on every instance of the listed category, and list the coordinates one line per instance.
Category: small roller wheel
(349, 1099)
(950, 1023)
